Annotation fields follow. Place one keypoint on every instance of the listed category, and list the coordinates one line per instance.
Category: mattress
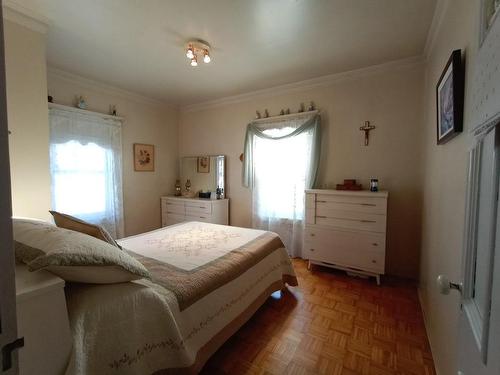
(207, 281)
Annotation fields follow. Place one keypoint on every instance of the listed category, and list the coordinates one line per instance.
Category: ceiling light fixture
(195, 48)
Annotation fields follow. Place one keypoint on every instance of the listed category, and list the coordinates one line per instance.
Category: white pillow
(73, 256)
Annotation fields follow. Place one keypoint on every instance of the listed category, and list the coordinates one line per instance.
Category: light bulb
(189, 53)
(194, 62)
(206, 57)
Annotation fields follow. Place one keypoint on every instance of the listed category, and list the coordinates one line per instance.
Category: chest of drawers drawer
(350, 219)
(349, 249)
(353, 204)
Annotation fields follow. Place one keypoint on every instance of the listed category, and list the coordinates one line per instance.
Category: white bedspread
(139, 328)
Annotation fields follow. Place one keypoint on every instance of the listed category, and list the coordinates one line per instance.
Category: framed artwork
(450, 99)
(203, 164)
(144, 157)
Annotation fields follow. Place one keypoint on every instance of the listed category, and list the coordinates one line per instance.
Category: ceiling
(139, 45)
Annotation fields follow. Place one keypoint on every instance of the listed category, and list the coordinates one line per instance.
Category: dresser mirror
(205, 172)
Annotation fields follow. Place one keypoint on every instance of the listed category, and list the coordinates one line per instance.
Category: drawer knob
(312, 249)
(374, 261)
(312, 234)
(375, 244)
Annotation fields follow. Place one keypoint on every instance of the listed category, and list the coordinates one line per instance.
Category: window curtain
(86, 168)
(281, 160)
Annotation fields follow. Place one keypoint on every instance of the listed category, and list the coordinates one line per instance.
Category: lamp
(195, 48)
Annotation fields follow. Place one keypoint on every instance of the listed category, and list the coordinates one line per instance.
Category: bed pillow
(72, 255)
(73, 223)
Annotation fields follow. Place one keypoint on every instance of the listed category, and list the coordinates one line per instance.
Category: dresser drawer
(174, 219)
(198, 207)
(201, 217)
(364, 251)
(354, 204)
(172, 206)
(350, 219)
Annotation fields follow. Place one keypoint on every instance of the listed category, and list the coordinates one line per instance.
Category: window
(281, 167)
(85, 164)
(79, 179)
(281, 160)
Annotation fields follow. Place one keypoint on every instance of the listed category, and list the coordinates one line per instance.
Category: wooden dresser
(176, 210)
(346, 230)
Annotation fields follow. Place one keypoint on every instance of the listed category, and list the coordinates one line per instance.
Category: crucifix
(366, 128)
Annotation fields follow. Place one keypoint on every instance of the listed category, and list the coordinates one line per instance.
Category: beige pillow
(72, 255)
(73, 223)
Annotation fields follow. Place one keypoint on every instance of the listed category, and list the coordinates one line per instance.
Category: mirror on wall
(205, 172)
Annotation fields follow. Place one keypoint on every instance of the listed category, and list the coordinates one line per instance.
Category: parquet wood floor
(331, 324)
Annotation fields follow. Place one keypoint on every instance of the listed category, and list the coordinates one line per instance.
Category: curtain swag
(253, 130)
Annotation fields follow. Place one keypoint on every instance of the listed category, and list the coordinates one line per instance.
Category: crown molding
(437, 21)
(25, 17)
(322, 81)
(104, 88)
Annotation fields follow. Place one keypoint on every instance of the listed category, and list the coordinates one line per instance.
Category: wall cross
(366, 128)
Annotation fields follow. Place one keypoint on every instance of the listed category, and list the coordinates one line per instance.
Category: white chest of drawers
(346, 230)
(176, 210)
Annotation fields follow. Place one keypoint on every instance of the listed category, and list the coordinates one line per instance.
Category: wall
(146, 121)
(444, 186)
(390, 97)
(27, 120)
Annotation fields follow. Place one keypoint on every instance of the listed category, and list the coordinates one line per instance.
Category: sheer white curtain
(284, 162)
(86, 168)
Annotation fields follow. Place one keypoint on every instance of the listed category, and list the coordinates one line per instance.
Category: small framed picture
(450, 99)
(203, 164)
(144, 157)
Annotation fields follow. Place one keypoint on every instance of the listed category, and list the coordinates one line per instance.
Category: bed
(207, 281)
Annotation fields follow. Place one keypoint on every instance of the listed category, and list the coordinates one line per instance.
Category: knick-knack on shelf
(282, 112)
(112, 110)
(81, 103)
(178, 188)
(311, 107)
(301, 108)
(257, 115)
(287, 112)
(188, 185)
(266, 113)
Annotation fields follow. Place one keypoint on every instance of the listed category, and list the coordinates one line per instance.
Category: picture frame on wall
(203, 164)
(144, 157)
(450, 99)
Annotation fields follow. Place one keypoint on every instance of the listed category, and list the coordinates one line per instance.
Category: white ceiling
(138, 45)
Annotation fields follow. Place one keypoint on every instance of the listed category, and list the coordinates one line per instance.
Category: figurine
(257, 115)
(287, 112)
(188, 185)
(311, 107)
(112, 110)
(301, 109)
(266, 113)
(178, 188)
(81, 103)
(218, 192)
(282, 112)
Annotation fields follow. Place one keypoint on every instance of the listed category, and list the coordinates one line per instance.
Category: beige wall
(444, 188)
(390, 99)
(27, 120)
(145, 122)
